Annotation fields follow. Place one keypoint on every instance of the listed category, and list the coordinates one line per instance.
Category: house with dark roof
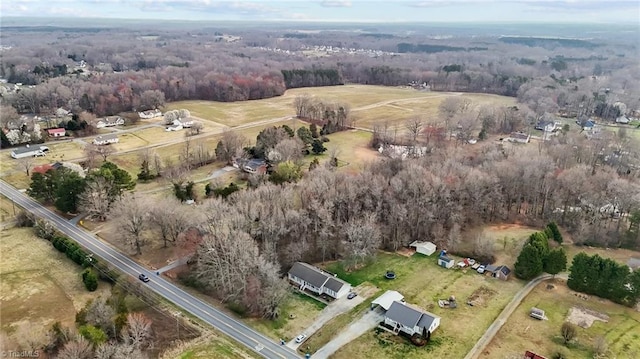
(519, 137)
(403, 318)
(502, 272)
(546, 126)
(255, 165)
(308, 277)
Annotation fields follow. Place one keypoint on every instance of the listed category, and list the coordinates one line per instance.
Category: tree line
(605, 278)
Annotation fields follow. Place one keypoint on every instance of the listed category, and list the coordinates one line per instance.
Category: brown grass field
(521, 333)
(7, 209)
(39, 284)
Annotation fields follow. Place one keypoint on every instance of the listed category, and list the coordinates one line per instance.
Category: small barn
(502, 272)
(446, 262)
(56, 132)
(426, 248)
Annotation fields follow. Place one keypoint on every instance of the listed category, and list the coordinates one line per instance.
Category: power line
(140, 292)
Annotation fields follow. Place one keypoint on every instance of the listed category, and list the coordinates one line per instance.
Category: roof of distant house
(42, 168)
(56, 130)
(107, 137)
(504, 269)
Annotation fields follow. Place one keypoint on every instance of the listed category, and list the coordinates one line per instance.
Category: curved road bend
(506, 313)
(255, 341)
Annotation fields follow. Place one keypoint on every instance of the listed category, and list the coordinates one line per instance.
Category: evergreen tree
(556, 261)
(68, 190)
(529, 263)
(305, 135)
(317, 147)
(90, 279)
(555, 232)
(314, 130)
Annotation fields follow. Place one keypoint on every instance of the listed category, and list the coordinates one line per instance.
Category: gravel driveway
(367, 322)
(331, 311)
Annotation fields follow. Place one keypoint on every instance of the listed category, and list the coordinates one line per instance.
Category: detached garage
(426, 248)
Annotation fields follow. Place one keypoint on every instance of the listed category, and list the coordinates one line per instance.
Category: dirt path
(506, 313)
(399, 101)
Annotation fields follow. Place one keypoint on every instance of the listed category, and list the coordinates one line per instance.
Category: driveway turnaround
(235, 329)
(367, 322)
(331, 311)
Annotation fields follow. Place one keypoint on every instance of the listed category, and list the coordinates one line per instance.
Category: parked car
(481, 269)
(143, 277)
(300, 338)
(471, 261)
(352, 295)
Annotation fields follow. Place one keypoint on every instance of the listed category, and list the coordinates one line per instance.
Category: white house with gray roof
(403, 318)
(308, 277)
(106, 139)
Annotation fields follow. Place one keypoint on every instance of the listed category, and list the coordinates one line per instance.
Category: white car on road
(300, 338)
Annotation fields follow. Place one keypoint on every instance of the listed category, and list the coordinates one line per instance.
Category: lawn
(335, 325)
(39, 284)
(422, 283)
(520, 333)
(297, 312)
(210, 347)
(63, 151)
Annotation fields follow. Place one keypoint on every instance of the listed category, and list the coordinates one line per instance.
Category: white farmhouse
(315, 280)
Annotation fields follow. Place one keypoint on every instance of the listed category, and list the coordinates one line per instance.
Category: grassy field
(335, 325)
(370, 105)
(520, 333)
(397, 112)
(211, 347)
(7, 209)
(296, 313)
(39, 285)
(422, 283)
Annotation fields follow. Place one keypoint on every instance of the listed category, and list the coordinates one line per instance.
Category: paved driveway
(366, 323)
(331, 311)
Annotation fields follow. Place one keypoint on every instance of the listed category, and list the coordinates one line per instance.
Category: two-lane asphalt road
(257, 342)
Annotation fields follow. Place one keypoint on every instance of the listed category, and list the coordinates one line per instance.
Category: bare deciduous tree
(79, 348)
(96, 199)
(132, 215)
(91, 151)
(27, 164)
(414, 126)
(361, 239)
(230, 146)
(171, 219)
(138, 332)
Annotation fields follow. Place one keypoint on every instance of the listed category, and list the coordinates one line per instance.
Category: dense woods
(108, 70)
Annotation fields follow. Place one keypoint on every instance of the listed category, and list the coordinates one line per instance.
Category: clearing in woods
(520, 333)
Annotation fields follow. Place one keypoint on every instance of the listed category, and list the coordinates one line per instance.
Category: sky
(561, 11)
